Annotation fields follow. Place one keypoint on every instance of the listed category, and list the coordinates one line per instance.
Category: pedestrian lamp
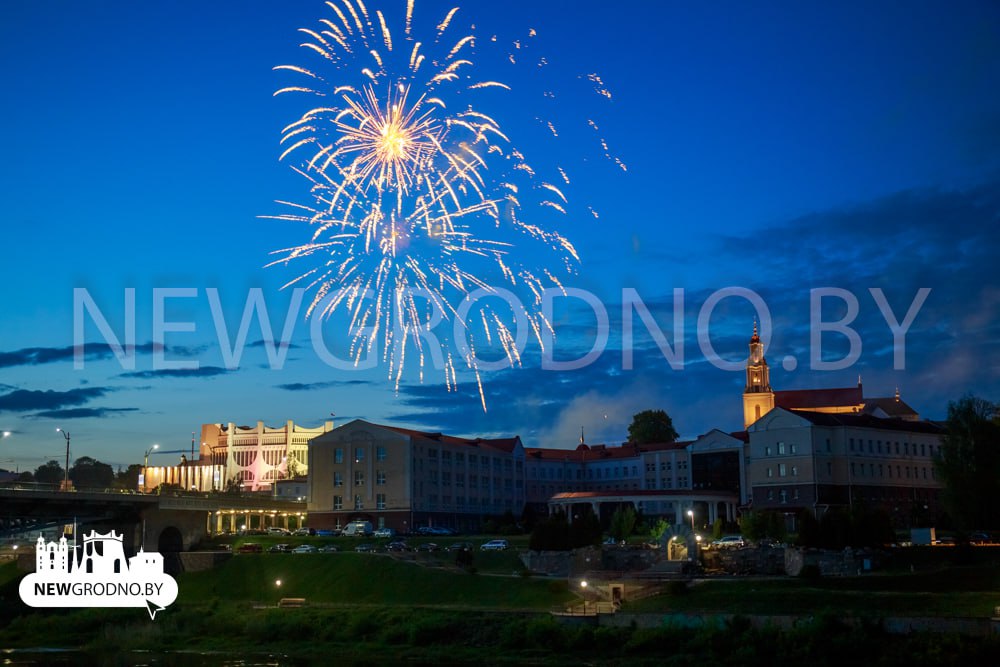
(66, 471)
(691, 516)
(583, 589)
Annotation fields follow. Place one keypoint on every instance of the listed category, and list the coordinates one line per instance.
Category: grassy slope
(350, 578)
(964, 591)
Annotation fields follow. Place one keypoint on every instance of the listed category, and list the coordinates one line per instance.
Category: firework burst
(419, 199)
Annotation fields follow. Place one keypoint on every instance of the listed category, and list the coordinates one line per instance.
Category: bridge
(167, 523)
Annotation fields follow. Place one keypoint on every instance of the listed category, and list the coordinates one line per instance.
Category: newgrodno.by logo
(99, 576)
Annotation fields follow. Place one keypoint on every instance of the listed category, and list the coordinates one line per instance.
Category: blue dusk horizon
(633, 186)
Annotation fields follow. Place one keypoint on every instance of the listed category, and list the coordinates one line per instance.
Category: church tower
(758, 399)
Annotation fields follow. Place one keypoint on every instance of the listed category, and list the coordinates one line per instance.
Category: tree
(128, 479)
(651, 426)
(656, 532)
(968, 462)
(89, 473)
(49, 473)
(622, 522)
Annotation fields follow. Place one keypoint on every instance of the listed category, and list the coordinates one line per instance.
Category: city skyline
(778, 149)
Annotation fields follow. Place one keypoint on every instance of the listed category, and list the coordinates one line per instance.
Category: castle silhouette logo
(99, 576)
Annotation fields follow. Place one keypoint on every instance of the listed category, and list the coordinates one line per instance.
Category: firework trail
(418, 198)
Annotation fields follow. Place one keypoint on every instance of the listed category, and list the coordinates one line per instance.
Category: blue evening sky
(778, 147)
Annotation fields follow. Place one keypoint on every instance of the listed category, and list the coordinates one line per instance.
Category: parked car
(250, 548)
(365, 548)
(495, 545)
(428, 546)
(729, 542)
(275, 530)
(358, 529)
(333, 532)
(304, 549)
(304, 532)
(460, 546)
(397, 546)
(279, 549)
(385, 532)
(329, 549)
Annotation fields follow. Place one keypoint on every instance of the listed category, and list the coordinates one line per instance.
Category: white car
(495, 545)
(304, 549)
(729, 542)
(385, 532)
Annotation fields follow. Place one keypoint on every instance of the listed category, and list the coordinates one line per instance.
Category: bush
(810, 572)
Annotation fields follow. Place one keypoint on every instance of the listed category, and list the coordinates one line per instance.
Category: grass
(363, 579)
(958, 591)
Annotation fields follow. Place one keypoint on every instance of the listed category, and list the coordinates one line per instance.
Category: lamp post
(691, 516)
(583, 588)
(66, 471)
(145, 464)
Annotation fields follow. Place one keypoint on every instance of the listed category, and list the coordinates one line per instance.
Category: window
(432, 453)
(359, 478)
(473, 459)
(897, 448)
(380, 501)
(460, 457)
(795, 494)
(338, 455)
(922, 449)
(380, 453)
(767, 451)
(460, 479)
(338, 479)
(433, 474)
(784, 496)
(828, 444)
(781, 449)
(359, 454)
(795, 471)
(359, 502)
(829, 468)
(473, 482)
(770, 473)
(770, 494)
(792, 449)
(446, 478)
(852, 444)
(781, 470)
(338, 502)
(446, 455)
(380, 478)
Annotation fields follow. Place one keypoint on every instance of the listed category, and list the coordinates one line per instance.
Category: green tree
(49, 473)
(89, 473)
(658, 529)
(968, 463)
(128, 479)
(552, 534)
(651, 426)
(622, 522)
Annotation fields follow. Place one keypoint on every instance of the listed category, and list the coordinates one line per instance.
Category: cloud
(35, 356)
(81, 413)
(201, 371)
(276, 344)
(313, 386)
(23, 400)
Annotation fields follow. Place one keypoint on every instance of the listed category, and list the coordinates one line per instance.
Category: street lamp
(691, 516)
(145, 465)
(583, 588)
(66, 471)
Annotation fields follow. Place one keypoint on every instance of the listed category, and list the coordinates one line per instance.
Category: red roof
(599, 452)
(570, 495)
(804, 399)
(502, 444)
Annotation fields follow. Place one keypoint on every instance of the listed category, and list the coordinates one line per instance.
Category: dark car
(428, 546)
(365, 548)
(460, 546)
(397, 546)
(250, 548)
(279, 549)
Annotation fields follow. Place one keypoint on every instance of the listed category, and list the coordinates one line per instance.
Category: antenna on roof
(859, 380)
(897, 393)
(581, 436)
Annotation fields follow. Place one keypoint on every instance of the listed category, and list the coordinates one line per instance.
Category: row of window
(782, 449)
(359, 454)
(891, 448)
(783, 470)
(359, 502)
(359, 478)
(911, 472)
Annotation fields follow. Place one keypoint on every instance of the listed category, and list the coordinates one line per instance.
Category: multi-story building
(257, 456)
(814, 460)
(254, 457)
(401, 478)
